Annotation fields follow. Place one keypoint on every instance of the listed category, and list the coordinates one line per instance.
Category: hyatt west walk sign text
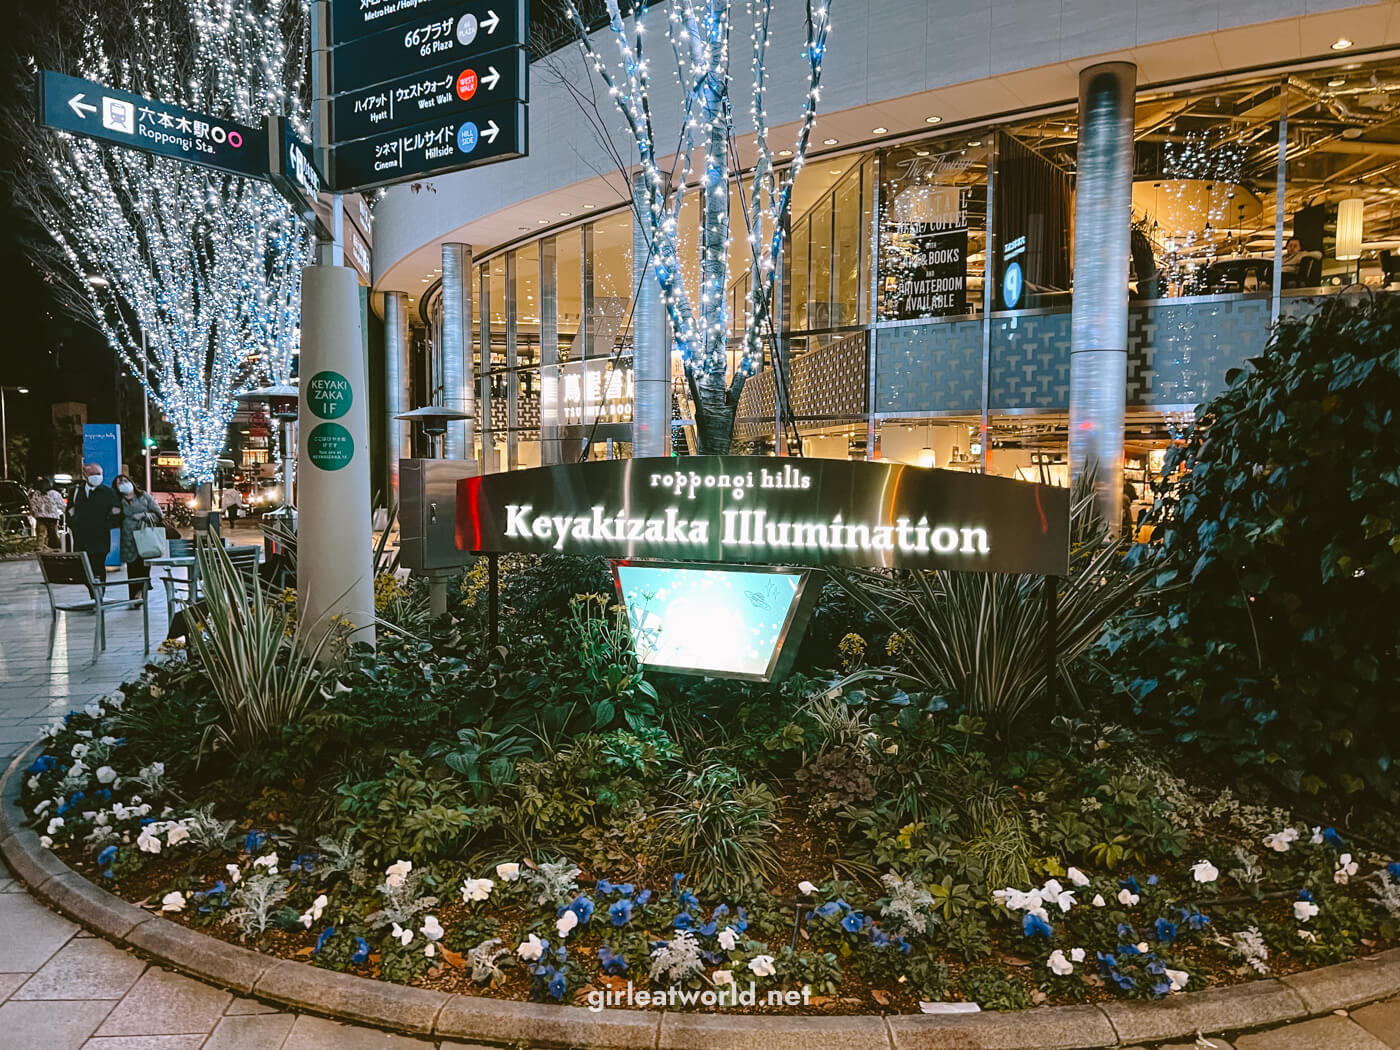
(765, 510)
(426, 87)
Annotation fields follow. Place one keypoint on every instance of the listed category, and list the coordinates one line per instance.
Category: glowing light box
(729, 621)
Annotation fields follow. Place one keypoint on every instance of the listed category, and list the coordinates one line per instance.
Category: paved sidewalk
(63, 989)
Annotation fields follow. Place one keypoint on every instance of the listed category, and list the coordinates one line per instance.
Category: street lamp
(5, 430)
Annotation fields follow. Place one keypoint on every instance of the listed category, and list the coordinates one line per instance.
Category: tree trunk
(714, 414)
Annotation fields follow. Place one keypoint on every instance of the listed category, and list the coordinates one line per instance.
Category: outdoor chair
(74, 570)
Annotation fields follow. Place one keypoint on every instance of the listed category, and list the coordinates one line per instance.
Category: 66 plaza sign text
(763, 510)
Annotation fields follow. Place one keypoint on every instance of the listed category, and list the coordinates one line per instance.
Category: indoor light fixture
(589, 207)
(830, 142)
(1341, 44)
(879, 131)
(785, 153)
(565, 214)
(1350, 220)
(933, 120)
(1336, 82)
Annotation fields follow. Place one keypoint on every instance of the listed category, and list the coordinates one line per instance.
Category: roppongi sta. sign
(770, 511)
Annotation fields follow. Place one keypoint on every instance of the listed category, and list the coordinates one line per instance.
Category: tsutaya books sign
(770, 511)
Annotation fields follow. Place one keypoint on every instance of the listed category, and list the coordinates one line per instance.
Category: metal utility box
(428, 512)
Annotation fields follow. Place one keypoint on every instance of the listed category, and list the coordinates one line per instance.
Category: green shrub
(720, 827)
(1270, 639)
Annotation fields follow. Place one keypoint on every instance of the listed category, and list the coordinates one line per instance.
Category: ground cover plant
(907, 820)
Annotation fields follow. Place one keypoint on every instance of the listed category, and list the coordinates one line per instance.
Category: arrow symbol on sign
(78, 106)
(491, 21)
(492, 80)
(491, 131)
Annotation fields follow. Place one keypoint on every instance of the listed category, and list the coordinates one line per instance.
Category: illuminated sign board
(769, 511)
(596, 391)
(753, 616)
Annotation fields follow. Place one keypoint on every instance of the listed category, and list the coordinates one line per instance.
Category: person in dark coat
(138, 510)
(94, 513)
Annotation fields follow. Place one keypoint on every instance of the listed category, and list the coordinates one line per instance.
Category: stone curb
(420, 1011)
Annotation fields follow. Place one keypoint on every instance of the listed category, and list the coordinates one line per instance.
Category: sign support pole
(493, 580)
(1051, 613)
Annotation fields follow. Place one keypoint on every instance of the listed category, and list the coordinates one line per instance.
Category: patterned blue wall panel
(1178, 353)
(932, 367)
(1029, 365)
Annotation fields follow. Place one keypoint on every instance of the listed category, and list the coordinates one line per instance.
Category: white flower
(1316, 839)
(1143, 947)
(1018, 900)
(762, 966)
(235, 874)
(1059, 965)
(1204, 871)
(173, 901)
(1304, 910)
(566, 922)
(1098, 901)
(508, 872)
(94, 709)
(1065, 899)
(430, 950)
(178, 833)
(269, 862)
(1127, 897)
(86, 734)
(1051, 889)
(1178, 979)
(805, 888)
(1307, 935)
(109, 741)
(33, 783)
(530, 950)
(77, 769)
(55, 824)
(727, 939)
(46, 842)
(476, 889)
(116, 699)
(396, 873)
(1279, 841)
(102, 817)
(106, 774)
(1346, 868)
(400, 934)
(148, 841)
(1076, 955)
(432, 929)
(39, 809)
(53, 729)
(1077, 877)
(314, 913)
(722, 977)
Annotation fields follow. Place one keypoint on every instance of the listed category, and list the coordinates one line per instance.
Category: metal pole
(549, 354)
(1099, 323)
(146, 405)
(651, 355)
(4, 437)
(1280, 183)
(396, 384)
(988, 297)
(456, 347)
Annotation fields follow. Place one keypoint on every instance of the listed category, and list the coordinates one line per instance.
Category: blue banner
(102, 444)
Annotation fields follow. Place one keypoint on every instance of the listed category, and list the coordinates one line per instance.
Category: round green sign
(328, 395)
(330, 446)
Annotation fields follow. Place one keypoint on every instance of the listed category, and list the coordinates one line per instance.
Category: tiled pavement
(62, 989)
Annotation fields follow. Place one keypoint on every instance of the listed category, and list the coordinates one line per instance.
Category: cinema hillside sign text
(763, 510)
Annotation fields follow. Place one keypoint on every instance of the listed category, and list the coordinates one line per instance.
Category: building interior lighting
(830, 142)
(879, 131)
(1341, 44)
(1350, 221)
(933, 120)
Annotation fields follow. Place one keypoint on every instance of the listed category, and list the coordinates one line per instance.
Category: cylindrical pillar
(457, 392)
(1102, 237)
(486, 427)
(396, 385)
(549, 354)
(335, 570)
(651, 352)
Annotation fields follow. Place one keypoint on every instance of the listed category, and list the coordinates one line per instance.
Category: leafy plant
(1260, 642)
(993, 989)
(413, 811)
(256, 901)
(486, 758)
(721, 827)
(261, 664)
(612, 673)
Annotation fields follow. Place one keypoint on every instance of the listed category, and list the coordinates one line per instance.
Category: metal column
(484, 426)
(549, 354)
(651, 351)
(456, 349)
(512, 361)
(1102, 235)
(1280, 204)
(396, 384)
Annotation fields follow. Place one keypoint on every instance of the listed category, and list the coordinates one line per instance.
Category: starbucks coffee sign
(768, 511)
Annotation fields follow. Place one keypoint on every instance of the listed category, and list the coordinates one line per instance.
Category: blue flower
(305, 862)
(361, 953)
(219, 888)
(253, 841)
(558, 984)
(688, 901)
(853, 922)
(1152, 880)
(620, 914)
(1330, 836)
(904, 946)
(1304, 895)
(720, 912)
(108, 874)
(582, 907)
(1194, 920)
(676, 881)
(107, 856)
(828, 909)
(1033, 925)
(879, 938)
(43, 764)
(1126, 932)
(1161, 988)
(326, 935)
(105, 794)
(1394, 868)
(626, 889)
(604, 886)
(708, 930)
(611, 962)
(742, 922)
(1166, 931)
(643, 897)
(683, 921)
(147, 820)
(1131, 884)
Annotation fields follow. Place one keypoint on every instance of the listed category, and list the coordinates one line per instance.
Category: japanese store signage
(596, 392)
(436, 93)
(87, 108)
(763, 511)
(351, 19)
(494, 133)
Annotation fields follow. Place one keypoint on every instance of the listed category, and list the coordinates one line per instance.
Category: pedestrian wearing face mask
(94, 514)
(138, 511)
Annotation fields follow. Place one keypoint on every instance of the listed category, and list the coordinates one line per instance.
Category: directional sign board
(495, 132)
(447, 91)
(469, 29)
(83, 107)
(352, 19)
